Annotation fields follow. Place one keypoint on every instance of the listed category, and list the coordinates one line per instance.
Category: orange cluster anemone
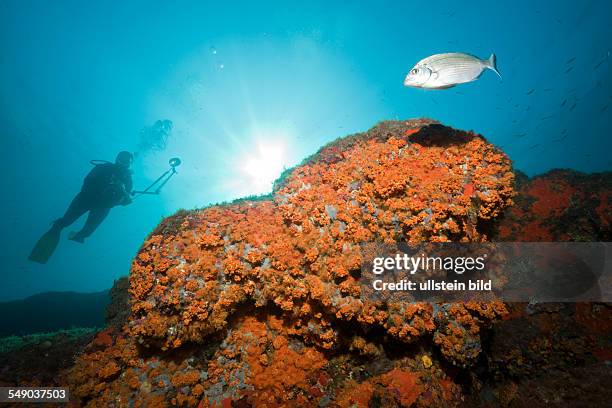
(561, 205)
(275, 283)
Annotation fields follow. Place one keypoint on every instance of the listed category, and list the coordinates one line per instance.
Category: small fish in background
(520, 135)
(569, 61)
(559, 139)
(567, 71)
(547, 117)
(602, 61)
(564, 102)
(572, 107)
(530, 92)
(442, 71)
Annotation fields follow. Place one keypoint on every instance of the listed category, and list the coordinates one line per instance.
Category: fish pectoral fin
(435, 75)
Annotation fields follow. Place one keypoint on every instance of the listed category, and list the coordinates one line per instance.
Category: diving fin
(45, 246)
(76, 237)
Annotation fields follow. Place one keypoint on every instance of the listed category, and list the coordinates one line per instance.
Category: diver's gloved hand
(127, 200)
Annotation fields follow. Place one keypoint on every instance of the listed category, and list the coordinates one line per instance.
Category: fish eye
(414, 71)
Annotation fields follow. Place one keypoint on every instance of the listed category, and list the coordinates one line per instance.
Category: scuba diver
(106, 186)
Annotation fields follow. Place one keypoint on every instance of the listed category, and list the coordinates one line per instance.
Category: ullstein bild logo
(519, 272)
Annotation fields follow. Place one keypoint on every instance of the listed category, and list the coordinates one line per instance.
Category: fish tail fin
(491, 63)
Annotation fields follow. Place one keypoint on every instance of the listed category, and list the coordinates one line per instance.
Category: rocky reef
(249, 301)
(258, 302)
(52, 311)
(561, 205)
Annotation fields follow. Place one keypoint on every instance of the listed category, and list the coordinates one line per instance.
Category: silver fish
(443, 71)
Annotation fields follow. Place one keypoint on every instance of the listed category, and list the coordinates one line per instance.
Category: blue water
(81, 80)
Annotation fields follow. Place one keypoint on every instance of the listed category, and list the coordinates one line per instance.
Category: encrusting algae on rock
(252, 302)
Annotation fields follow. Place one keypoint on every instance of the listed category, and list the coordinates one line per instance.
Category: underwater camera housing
(161, 180)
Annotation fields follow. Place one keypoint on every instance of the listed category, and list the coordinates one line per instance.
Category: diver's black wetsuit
(106, 186)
